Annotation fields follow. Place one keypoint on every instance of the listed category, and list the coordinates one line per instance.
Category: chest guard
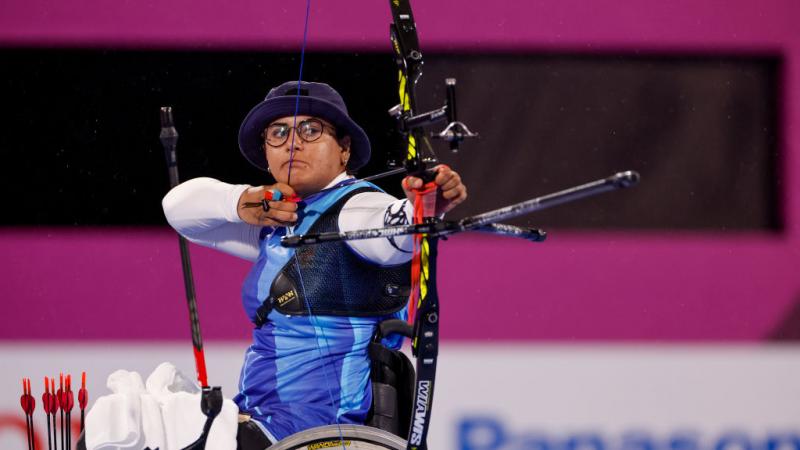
(333, 280)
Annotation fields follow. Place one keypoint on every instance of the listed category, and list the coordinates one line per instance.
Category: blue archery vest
(322, 279)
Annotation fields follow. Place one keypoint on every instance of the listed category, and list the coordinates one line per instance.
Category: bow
(424, 297)
(426, 227)
(425, 336)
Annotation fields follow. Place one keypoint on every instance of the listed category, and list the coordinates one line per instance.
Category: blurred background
(661, 317)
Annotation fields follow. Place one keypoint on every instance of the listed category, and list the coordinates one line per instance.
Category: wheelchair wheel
(328, 438)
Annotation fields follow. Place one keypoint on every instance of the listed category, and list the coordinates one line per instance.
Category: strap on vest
(262, 312)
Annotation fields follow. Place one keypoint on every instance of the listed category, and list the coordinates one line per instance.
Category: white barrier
(512, 396)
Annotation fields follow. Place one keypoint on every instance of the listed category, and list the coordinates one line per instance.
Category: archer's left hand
(451, 191)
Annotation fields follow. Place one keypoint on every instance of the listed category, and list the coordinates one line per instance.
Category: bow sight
(454, 132)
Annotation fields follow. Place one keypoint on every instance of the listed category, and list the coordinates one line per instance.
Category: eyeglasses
(308, 130)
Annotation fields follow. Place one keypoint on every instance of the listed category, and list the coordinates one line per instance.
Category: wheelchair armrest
(393, 326)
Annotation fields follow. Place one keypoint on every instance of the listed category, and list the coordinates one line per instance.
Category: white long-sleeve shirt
(204, 211)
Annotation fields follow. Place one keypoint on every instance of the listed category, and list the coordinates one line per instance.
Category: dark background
(80, 130)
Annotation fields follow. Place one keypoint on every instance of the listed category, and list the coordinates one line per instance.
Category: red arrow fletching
(23, 401)
(27, 401)
(61, 398)
(83, 398)
(53, 396)
(33, 399)
(46, 403)
(83, 394)
(69, 402)
(69, 399)
(46, 397)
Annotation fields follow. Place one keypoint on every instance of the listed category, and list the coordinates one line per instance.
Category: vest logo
(423, 387)
(328, 444)
(286, 298)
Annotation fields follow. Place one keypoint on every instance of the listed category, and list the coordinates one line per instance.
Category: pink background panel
(442, 24)
(117, 283)
(127, 284)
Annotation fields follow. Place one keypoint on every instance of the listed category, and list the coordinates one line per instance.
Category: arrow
(83, 397)
(62, 401)
(54, 409)
(69, 402)
(28, 403)
(47, 404)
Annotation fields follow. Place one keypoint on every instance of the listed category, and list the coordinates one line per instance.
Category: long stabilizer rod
(617, 181)
(482, 222)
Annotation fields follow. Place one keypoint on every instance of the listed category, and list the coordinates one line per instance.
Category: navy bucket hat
(316, 99)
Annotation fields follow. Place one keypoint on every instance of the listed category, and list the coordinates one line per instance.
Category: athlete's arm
(378, 210)
(204, 211)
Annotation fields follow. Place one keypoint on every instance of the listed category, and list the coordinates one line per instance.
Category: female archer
(315, 308)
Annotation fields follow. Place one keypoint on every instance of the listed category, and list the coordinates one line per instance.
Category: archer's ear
(344, 142)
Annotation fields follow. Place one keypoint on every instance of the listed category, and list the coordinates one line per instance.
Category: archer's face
(317, 159)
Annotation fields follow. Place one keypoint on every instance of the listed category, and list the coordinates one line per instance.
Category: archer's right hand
(279, 213)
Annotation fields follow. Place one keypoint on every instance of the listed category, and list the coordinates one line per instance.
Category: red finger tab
(275, 195)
